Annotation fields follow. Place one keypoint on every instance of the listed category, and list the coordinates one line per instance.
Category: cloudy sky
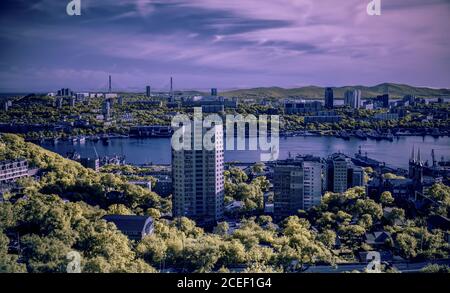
(222, 43)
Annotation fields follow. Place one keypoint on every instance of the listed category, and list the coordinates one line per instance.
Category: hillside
(315, 92)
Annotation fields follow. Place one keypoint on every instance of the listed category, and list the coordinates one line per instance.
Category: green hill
(315, 92)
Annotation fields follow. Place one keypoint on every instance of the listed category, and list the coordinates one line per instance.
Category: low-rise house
(376, 239)
(135, 227)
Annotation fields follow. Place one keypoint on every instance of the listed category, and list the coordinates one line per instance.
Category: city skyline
(222, 44)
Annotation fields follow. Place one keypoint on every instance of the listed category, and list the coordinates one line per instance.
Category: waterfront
(158, 151)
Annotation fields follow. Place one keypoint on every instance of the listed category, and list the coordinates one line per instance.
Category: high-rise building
(198, 183)
(5, 105)
(72, 101)
(329, 98)
(59, 102)
(353, 99)
(214, 92)
(106, 109)
(342, 174)
(65, 92)
(148, 91)
(298, 184)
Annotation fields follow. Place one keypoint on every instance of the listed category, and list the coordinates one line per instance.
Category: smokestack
(110, 83)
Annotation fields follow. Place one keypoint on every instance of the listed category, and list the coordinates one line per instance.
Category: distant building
(383, 101)
(6, 105)
(106, 110)
(298, 184)
(214, 92)
(213, 108)
(151, 131)
(90, 163)
(353, 99)
(323, 119)
(110, 96)
(134, 227)
(13, 170)
(142, 183)
(329, 99)
(59, 102)
(198, 183)
(72, 101)
(148, 91)
(295, 107)
(65, 92)
(386, 116)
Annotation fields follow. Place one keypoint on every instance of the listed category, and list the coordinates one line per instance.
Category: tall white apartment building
(353, 99)
(198, 182)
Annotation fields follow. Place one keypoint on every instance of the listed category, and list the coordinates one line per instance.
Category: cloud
(226, 43)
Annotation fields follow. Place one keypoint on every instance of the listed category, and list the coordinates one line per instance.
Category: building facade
(298, 185)
(329, 98)
(342, 173)
(13, 170)
(353, 99)
(198, 182)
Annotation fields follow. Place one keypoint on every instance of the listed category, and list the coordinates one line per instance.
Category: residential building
(342, 174)
(298, 185)
(329, 99)
(353, 99)
(13, 170)
(142, 183)
(197, 174)
(295, 107)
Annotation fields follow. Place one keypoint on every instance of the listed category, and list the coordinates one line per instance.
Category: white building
(353, 99)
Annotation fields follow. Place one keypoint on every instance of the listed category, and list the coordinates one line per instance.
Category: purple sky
(222, 43)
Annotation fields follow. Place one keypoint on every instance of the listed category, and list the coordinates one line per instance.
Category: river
(158, 151)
